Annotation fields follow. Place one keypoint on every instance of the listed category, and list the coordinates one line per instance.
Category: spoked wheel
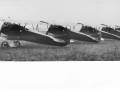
(5, 44)
(17, 43)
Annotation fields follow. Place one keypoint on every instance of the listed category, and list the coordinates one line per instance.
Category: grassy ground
(78, 51)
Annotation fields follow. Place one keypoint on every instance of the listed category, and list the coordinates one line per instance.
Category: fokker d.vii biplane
(109, 32)
(79, 36)
(91, 31)
(82, 37)
(17, 32)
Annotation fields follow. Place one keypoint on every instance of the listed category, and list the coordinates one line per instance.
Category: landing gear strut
(6, 44)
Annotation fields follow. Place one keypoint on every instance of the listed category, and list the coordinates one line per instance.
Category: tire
(5, 44)
(17, 43)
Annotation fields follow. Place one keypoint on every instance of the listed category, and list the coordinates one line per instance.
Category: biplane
(76, 35)
(91, 31)
(109, 32)
(82, 37)
(15, 32)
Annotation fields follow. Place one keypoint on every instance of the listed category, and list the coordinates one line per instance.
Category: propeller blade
(80, 23)
(104, 25)
(44, 22)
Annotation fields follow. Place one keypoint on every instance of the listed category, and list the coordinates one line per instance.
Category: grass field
(108, 50)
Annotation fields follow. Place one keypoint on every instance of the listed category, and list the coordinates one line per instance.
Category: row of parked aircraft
(57, 35)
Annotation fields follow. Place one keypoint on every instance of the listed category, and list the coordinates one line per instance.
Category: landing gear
(5, 44)
(17, 43)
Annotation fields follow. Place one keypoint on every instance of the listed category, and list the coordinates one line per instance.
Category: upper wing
(19, 21)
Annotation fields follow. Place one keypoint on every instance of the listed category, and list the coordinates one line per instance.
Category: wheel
(17, 43)
(5, 44)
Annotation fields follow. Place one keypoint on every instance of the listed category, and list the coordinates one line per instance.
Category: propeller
(44, 22)
(104, 25)
(80, 23)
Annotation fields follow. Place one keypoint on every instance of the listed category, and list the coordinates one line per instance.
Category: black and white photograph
(57, 30)
(59, 44)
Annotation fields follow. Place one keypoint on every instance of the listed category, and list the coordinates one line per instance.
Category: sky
(70, 11)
